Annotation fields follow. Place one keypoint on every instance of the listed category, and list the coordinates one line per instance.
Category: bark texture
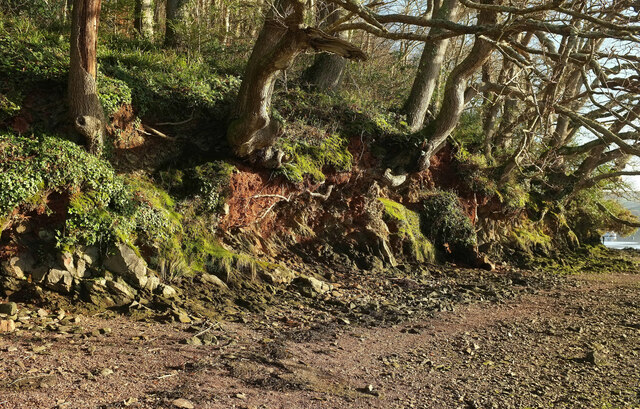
(281, 39)
(85, 109)
(143, 22)
(326, 71)
(175, 14)
(429, 67)
(454, 98)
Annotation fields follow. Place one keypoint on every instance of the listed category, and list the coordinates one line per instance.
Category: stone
(182, 316)
(153, 281)
(89, 255)
(46, 235)
(277, 276)
(9, 308)
(182, 403)
(105, 372)
(193, 341)
(7, 325)
(65, 259)
(214, 280)
(18, 266)
(81, 269)
(167, 291)
(127, 264)
(59, 280)
(485, 263)
(97, 293)
(120, 292)
(596, 358)
(310, 286)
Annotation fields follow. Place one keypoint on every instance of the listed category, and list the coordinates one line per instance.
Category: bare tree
(85, 109)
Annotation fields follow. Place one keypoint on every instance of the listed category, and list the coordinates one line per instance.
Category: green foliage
(513, 196)
(310, 157)
(446, 224)
(29, 166)
(409, 230)
(113, 93)
(207, 182)
(469, 129)
(29, 55)
(8, 108)
(529, 236)
(473, 172)
(589, 222)
(164, 82)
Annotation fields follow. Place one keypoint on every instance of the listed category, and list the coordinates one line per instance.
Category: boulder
(120, 292)
(89, 255)
(73, 264)
(166, 291)
(311, 287)
(153, 281)
(17, 266)
(214, 280)
(129, 265)
(9, 285)
(97, 293)
(277, 276)
(59, 280)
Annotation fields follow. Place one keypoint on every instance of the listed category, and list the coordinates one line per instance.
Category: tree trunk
(143, 22)
(326, 71)
(429, 69)
(85, 109)
(175, 14)
(454, 98)
(280, 41)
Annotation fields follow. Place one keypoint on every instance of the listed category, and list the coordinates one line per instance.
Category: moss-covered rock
(406, 233)
(446, 224)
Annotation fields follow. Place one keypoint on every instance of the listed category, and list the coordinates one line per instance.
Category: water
(622, 244)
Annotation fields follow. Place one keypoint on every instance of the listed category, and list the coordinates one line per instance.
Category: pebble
(182, 403)
(7, 325)
(9, 308)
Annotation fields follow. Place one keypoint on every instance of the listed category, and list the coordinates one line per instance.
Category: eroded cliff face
(228, 226)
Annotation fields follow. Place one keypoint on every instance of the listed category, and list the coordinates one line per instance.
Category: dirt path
(574, 346)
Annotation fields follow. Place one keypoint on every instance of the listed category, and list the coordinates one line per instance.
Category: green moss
(310, 157)
(530, 236)
(208, 183)
(408, 230)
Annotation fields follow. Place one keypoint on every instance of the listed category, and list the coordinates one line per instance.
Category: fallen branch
(286, 199)
(153, 131)
(176, 123)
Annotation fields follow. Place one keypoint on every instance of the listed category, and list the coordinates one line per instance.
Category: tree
(282, 38)
(85, 110)
(143, 20)
(175, 15)
(326, 71)
(429, 67)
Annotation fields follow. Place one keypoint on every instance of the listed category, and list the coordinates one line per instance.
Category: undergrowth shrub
(445, 223)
